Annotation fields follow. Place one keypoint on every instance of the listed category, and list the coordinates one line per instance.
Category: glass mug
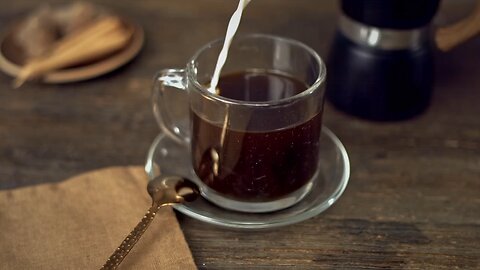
(249, 156)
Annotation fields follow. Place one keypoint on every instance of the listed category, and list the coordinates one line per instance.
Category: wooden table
(413, 201)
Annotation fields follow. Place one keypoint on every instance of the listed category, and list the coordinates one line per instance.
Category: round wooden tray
(12, 58)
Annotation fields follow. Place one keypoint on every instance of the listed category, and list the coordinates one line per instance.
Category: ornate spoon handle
(122, 251)
(164, 190)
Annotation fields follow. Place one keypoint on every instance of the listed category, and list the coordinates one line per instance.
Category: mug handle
(449, 37)
(169, 81)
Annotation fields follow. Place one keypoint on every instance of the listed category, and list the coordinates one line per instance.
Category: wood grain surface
(413, 201)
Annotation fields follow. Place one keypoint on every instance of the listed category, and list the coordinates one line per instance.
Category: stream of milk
(231, 30)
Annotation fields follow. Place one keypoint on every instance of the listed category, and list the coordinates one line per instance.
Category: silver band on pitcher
(382, 38)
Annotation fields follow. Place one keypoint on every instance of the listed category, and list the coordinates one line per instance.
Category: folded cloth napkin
(79, 222)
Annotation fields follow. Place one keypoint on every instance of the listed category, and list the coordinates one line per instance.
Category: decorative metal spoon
(164, 190)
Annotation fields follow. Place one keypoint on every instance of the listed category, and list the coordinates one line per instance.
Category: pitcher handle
(450, 36)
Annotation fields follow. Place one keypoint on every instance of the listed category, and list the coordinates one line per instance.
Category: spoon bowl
(167, 190)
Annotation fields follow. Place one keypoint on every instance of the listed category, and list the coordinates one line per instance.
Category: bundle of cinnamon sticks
(101, 37)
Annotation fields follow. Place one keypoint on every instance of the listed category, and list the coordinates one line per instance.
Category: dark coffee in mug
(256, 166)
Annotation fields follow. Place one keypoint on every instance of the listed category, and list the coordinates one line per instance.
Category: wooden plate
(12, 58)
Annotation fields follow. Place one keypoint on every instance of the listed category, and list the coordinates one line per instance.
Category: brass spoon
(164, 190)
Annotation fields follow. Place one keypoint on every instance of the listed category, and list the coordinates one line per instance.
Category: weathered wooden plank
(412, 201)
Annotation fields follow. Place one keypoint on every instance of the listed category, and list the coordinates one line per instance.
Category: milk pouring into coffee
(222, 58)
(255, 122)
(254, 144)
(231, 30)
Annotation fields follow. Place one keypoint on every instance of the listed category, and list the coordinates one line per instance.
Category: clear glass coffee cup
(254, 149)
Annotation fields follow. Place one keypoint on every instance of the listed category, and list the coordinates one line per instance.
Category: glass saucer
(169, 157)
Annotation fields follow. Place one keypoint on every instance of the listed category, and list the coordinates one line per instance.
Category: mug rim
(214, 97)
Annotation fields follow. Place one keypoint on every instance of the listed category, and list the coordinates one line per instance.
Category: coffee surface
(256, 166)
(259, 86)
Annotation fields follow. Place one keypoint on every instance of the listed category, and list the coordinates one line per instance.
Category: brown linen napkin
(78, 223)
